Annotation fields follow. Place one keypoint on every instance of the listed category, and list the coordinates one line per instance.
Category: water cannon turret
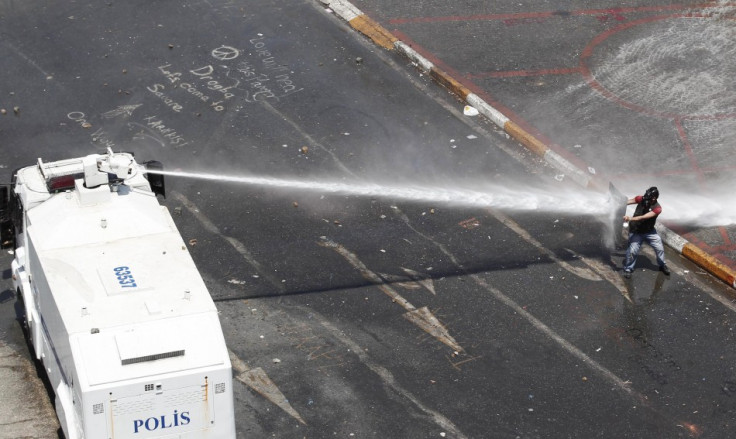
(107, 168)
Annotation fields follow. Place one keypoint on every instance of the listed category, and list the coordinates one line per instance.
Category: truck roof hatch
(138, 347)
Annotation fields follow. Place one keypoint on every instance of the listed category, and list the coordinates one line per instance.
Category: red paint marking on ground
(594, 84)
(727, 239)
(616, 13)
(510, 74)
(688, 149)
(721, 249)
(470, 85)
(699, 242)
(515, 21)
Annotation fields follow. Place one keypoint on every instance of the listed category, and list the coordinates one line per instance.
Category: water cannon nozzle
(119, 164)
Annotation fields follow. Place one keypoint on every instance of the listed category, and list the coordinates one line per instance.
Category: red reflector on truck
(62, 182)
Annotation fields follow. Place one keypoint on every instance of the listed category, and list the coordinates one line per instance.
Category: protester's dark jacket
(647, 225)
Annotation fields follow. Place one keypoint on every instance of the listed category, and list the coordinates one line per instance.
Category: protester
(641, 229)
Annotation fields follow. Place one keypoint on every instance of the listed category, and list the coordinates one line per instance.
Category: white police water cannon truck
(116, 310)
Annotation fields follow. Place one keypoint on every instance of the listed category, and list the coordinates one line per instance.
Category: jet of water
(678, 207)
(517, 198)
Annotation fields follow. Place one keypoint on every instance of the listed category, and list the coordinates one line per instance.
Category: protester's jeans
(635, 241)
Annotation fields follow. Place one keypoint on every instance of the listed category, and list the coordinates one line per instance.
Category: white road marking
(26, 59)
(421, 317)
(423, 280)
(606, 272)
(310, 141)
(418, 280)
(511, 224)
(566, 345)
(258, 380)
(391, 382)
(237, 245)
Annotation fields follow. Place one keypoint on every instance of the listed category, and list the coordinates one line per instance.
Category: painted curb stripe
(449, 82)
(671, 238)
(374, 31)
(343, 9)
(697, 255)
(715, 267)
(387, 40)
(362, 23)
(526, 139)
(486, 110)
(412, 54)
(568, 168)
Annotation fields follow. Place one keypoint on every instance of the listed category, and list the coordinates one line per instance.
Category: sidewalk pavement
(26, 411)
(705, 246)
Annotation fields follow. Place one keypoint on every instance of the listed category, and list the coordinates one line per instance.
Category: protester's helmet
(650, 195)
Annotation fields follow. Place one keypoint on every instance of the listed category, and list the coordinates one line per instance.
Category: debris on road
(470, 111)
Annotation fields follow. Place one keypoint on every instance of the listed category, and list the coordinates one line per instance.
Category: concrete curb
(697, 255)
(385, 39)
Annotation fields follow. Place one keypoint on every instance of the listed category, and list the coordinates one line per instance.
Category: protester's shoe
(627, 274)
(665, 269)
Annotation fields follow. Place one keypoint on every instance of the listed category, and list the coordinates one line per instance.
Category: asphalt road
(355, 316)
